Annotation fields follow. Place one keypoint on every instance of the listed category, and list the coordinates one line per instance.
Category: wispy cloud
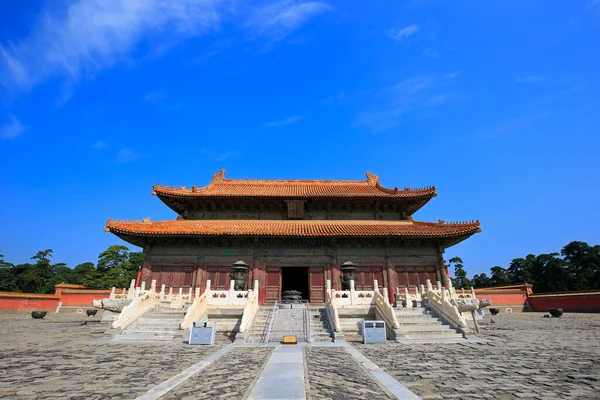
(403, 33)
(155, 96)
(431, 53)
(529, 79)
(88, 36)
(407, 96)
(94, 34)
(126, 155)
(226, 155)
(99, 145)
(283, 122)
(12, 128)
(277, 20)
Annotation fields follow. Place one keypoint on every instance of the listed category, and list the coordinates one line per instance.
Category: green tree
(551, 273)
(519, 270)
(7, 277)
(81, 271)
(583, 264)
(116, 267)
(460, 280)
(481, 281)
(499, 276)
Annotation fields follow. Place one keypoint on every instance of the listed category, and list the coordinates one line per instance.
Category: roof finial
(372, 179)
(219, 177)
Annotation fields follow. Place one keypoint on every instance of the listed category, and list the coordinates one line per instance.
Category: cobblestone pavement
(332, 373)
(230, 377)
(528, 356)
(53, 358)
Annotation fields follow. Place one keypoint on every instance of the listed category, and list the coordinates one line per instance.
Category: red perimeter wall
(27, 301)
(49, 302)
(581, 301)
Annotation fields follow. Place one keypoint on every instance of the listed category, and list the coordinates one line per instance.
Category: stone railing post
(197, 292)
(153, 285)
(352, 293)
(190, 293)
(439, 285)
(384, 293)
(208, 285)
(429, 286)
(112, 293)
(473, 293)
(407, 298)
(162, 292)
(255, 290)
(375, 285)
(143, 287)
(231, 293)
(131, 291)
(328, 286)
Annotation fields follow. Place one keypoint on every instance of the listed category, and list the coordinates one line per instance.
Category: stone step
(143, 338)
(432, 335)
(426, 328)
(152, 321)
(424, 321)
(145, 332)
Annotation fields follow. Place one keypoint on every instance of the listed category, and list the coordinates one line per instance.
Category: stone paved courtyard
(528, 356)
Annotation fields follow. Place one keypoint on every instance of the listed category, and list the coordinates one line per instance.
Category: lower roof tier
(293, 228)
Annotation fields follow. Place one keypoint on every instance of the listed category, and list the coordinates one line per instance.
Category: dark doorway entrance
(295, 278)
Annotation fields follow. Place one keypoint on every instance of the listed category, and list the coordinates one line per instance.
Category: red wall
(503, 299)
(583, 301)
(24, 301)
(82, 298)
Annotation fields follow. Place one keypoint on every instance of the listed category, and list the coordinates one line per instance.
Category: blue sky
(493, 102)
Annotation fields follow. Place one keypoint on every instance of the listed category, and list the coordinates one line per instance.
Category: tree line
(116, 266)
(576, 267)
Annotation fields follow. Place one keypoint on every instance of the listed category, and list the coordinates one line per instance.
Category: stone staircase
(160, 324)
(320, 331)
(351, 322)
(258, 331)
(419, 324)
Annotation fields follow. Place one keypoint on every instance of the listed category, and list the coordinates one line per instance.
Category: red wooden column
(335, 276)
(392, 281)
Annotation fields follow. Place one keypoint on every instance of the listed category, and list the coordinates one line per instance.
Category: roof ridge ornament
(219, 177)
(372, 179)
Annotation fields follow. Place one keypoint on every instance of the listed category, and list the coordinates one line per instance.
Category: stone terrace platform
(527, 356)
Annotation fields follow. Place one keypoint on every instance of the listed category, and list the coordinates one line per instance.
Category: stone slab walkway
(283, 376)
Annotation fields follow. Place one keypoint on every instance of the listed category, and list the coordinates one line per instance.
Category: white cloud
(431, 53)
(283, 122)
(88, 36)
(125, 155)
(92, 35)
(279, 19)
(12, 129)
(529, 79)
(155, 96)
(99, 145)
(411, 95)
(226, 155)
(403, 33)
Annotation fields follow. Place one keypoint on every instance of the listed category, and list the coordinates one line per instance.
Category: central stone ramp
(288, 321)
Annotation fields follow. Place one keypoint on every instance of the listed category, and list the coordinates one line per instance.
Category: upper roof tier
(220, 187)
(134, 231)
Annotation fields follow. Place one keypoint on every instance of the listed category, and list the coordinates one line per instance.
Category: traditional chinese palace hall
(293, 235)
